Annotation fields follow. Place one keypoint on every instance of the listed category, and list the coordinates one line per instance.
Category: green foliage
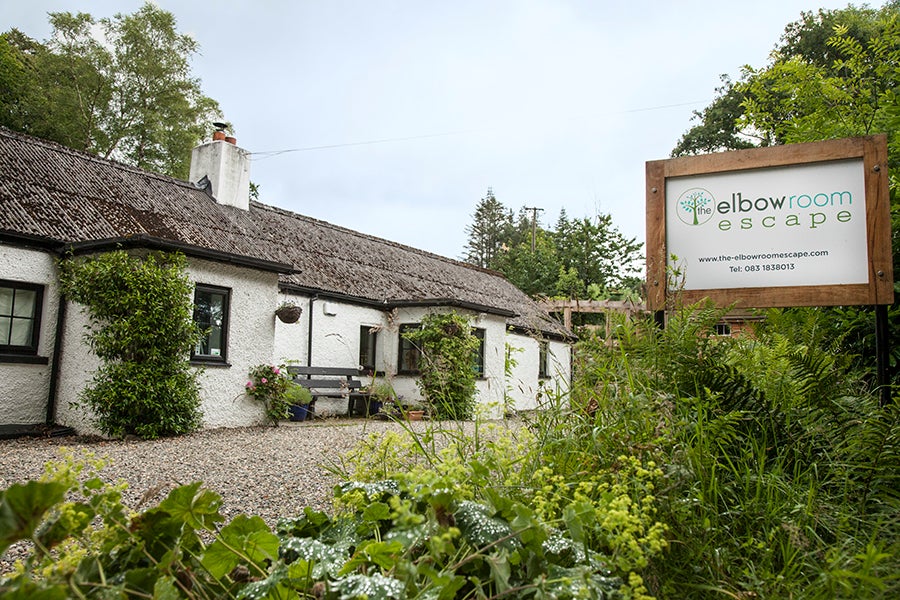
(270, 384)
(771, 448)
(413, 537)
(568, 260)
(142, 328)
(447, 376)
(487, 233)
(119, 87)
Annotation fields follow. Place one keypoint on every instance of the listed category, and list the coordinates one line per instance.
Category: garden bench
(330, 382)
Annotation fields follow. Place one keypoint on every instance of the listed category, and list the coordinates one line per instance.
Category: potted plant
(288, 312)
(378, 394)
(300, 400)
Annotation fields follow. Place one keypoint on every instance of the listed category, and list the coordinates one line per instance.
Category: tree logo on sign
(695, 206)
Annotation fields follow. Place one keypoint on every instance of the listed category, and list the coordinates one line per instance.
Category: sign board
(794, 225)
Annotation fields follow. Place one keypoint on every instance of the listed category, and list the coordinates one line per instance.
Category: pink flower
(276, 370)
(249, 385)
(264, 380)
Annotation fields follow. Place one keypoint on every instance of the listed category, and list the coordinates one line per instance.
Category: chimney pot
(231, 140)
(218, 135)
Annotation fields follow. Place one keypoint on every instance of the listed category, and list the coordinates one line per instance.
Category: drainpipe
(309, 338)
(57, 355)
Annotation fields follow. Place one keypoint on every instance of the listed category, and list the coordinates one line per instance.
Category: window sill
(27, 359)
(210, 363)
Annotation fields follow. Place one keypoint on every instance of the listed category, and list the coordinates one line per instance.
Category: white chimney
(226, 167)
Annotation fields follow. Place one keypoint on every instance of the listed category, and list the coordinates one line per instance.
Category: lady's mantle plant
(269, 384)
(142, 328)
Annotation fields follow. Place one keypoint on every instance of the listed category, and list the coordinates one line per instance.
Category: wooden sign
(793, 225)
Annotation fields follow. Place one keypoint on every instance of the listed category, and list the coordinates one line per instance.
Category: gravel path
(272, 472)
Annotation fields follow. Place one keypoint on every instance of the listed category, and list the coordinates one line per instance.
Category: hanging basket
(288, 314)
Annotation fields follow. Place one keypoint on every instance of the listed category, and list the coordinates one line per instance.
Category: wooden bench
(330, 382)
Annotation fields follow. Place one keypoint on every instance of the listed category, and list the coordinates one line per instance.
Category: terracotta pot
(415, 415)
(218, 135)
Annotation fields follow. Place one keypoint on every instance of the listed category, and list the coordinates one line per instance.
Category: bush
(269, 384)
(142, 328)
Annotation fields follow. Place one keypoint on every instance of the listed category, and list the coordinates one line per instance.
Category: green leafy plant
(269, 384)
(142, 328)
(447, 379)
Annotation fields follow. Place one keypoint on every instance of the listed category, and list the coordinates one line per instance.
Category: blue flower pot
(299, 412)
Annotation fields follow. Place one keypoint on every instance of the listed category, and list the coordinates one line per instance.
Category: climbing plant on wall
(141, 327)
(447, 377)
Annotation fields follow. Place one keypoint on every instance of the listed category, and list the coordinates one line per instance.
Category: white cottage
(357, 292)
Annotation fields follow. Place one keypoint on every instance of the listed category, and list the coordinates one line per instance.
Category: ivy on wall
(141, 327)
(447, 379)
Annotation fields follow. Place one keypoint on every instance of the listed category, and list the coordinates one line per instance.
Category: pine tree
(490, 227)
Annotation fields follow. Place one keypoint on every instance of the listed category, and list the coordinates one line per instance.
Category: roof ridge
(367, 236)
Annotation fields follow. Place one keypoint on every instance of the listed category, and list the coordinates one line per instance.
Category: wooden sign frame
(873, 152)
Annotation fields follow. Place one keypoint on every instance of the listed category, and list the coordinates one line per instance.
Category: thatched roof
(53, 195)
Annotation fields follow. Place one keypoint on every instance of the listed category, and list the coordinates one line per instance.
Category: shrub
(142, 328)
(269, 384)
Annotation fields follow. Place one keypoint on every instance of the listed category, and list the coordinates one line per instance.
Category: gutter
(155, 243)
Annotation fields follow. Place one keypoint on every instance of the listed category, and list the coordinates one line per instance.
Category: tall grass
(781, 466)
(766, 462)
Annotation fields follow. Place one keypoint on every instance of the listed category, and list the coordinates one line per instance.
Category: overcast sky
(393, 117)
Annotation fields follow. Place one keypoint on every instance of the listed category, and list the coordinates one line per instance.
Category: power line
(273, 153)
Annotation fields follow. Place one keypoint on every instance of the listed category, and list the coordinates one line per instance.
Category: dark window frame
(543, 359)
(368, 347)
(23, 350)
(478, 354)
(723, 329)
(222, 358)
(407, 350)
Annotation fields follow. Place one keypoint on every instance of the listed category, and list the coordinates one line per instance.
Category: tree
(596, 251)
(777, 92)
(119, 87)
(490, 228)
(534, 272)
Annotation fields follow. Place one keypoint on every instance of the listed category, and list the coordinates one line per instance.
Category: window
(211, 316)
(368, 339)
(544, 360)
(408, 361)
(20, 317)
(478, 355)
(723, 329)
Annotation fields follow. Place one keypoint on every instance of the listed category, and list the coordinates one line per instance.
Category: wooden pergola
(567, 307)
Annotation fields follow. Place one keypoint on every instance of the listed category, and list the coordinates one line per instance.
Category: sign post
(792, 225)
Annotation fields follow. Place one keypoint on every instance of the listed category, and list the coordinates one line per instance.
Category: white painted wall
(251, 329)
(24, 388)
(255, 336)
(525, 389)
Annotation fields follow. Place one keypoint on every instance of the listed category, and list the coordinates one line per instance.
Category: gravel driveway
(272, 472)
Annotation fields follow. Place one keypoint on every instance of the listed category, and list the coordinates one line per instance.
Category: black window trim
(400, 341)
(365, 334)
(543, 359)
(480, 352)
(208, 359)
(10, 353)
